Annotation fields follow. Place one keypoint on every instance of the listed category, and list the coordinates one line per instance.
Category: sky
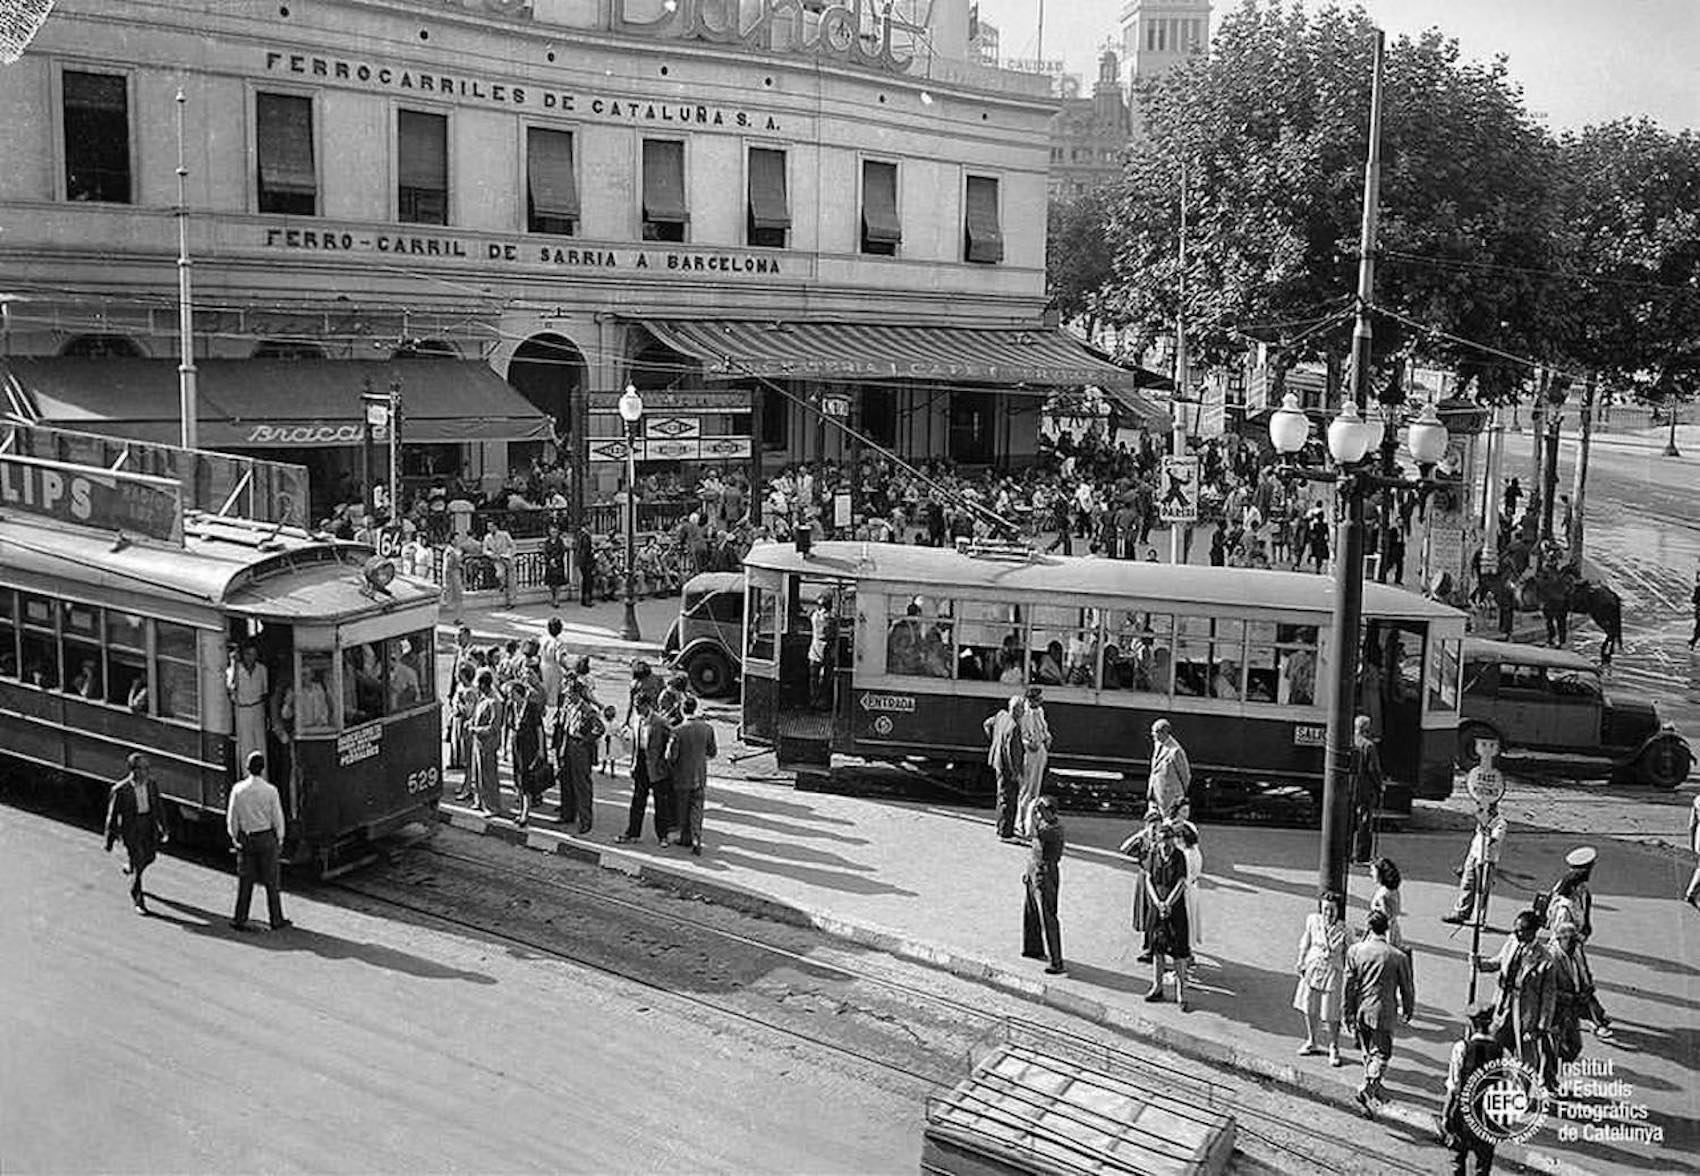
(1578, 61)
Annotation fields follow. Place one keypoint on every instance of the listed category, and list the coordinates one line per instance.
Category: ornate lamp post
(631, 412)
(1351, 440)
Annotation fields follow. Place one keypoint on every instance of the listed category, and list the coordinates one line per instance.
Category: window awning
(879, 203)
(768, 206)
(984, 237)
(422, 154)
(664, 181)
(549, 174)
(733, 350)
(270, 403)
(285, 143)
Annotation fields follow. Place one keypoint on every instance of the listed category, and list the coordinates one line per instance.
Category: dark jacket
(689, 749)
(1047, 849)
(124, 823)
(1378, 984)
(657, 734)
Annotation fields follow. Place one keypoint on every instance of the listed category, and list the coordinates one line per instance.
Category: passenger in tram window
(1118, 671)
(363, 688)
(970, 665)
(903, 643)
(1225, 683)
(249, 685)
(137, 698)
(1010, 672)
(1048, 666)
(404, 679)
(86, 683)
(313, 701)
(1298, 678)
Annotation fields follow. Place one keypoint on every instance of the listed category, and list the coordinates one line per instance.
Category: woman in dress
(1322, 975)
(462, 700)
(554, 564)
(1140, 845)
(1194, 868)
(1167, 934)
(1386, 899)
(531, 762)
(453, 587)
(486, 731)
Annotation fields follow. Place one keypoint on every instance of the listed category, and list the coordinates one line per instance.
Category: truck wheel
(1665, 764)
(710, 673)
(1468, 733)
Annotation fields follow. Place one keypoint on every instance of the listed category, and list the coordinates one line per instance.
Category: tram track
(930, 1056)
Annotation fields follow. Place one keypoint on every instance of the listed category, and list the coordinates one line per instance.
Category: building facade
(763, 214)
(1089, 136)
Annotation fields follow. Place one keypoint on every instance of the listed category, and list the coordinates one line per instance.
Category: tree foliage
(1272, 127)
(1631, 196)
(1078, 262)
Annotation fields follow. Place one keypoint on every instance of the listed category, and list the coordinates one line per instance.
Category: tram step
(798, 753)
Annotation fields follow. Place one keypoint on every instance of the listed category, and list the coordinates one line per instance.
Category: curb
(1224, 1055)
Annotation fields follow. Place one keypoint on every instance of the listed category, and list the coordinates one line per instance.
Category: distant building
(982, 39)
(1089, 135)
(1158, 35)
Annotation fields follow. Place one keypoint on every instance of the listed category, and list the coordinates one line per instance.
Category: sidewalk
(932, 883)
(594, 630)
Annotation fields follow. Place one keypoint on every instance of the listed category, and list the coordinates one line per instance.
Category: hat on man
(1035, 693)
(1581, 857)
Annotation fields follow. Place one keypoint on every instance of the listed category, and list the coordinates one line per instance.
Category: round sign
(1503, 1102)
(882, 724)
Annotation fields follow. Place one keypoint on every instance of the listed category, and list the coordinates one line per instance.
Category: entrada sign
(83, 496)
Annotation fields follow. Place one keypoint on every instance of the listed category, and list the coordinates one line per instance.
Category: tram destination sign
(87, 496)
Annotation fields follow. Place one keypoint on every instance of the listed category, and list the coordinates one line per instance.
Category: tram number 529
(423, 780)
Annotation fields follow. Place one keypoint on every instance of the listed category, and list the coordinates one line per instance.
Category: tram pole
(1349, 562)
(188, 405)
(395, 452)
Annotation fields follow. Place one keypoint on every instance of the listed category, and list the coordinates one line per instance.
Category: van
(704, 640)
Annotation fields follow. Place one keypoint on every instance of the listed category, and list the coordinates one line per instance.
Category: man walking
(1477, 1049)
(1171, 772)
(1006, 757)
(1379, 993)
(135, 816)
(1041, 932)
(1528, 992)
(255, 823)
(689, 749)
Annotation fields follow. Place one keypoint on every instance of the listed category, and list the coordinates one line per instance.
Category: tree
(1273, 128)
(1078, 264)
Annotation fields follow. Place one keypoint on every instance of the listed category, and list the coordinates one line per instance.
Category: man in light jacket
(1171, 772)
(1379, 994)
(1007, 757)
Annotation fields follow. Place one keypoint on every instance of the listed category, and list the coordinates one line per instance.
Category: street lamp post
(631, 412)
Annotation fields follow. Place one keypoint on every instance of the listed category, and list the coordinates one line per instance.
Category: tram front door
(820, 613)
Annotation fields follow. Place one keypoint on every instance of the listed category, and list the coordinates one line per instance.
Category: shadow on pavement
(330, 947)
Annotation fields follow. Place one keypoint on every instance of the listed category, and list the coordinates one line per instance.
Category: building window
(283, 132)
(775, 421)
(551, 190)
(664, 213)
(422, 155)
(882, 231)
(769, 210)
(97, 137)
(982, 236)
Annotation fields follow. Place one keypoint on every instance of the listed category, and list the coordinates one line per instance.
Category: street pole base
(1672, 451)
(629, 626)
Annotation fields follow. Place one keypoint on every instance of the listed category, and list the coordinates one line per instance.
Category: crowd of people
(533, 703)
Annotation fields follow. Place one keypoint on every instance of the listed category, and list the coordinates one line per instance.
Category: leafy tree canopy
(1273, 128)
(1078, 262)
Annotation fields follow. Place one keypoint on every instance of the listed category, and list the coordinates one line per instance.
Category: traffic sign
(1179, 501)
(389, 542)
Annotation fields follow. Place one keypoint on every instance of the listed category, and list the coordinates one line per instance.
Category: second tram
(930, 641)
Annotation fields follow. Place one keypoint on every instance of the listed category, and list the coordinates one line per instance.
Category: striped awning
(740, 349)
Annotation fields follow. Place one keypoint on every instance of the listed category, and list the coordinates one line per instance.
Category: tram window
(127, 660)
(1443, 676)
(1138, 652)
(762, 614)
(8, 634)
(410, 679)
(919, 641)
(1210, 658)
(39, 642)
(989, 645)
(81, 628)
(176, 673)
(313, 695)
(362, 684)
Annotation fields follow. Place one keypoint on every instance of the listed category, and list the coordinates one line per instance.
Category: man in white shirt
(254, 820)
(499, 548)
(1036, 748)
(1474, 881)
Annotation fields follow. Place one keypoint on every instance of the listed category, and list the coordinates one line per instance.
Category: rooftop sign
(83, 496)
(851, 31)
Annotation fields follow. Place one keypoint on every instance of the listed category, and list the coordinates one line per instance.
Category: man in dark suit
(1041, 932)
(1379, 990)
(689, 749)
(584, 558)
(649, 770)
(135, 815)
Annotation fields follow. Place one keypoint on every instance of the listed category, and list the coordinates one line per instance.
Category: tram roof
(951, 571)
(227, 563)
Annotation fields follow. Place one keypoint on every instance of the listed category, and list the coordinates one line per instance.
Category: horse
(1564, 592)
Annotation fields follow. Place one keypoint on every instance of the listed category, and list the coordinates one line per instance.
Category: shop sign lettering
(1308, 736)
(107, 500)
(306, 435)
(606, 107)
(853, 32)
(529, 255)
(901, 703)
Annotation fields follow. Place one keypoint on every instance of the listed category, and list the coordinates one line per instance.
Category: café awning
(269, 403)
(1013, 358)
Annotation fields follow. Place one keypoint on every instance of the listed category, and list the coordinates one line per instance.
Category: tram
(119, 640)
(930, 641)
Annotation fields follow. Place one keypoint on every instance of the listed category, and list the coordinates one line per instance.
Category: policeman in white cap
(1573, 907)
